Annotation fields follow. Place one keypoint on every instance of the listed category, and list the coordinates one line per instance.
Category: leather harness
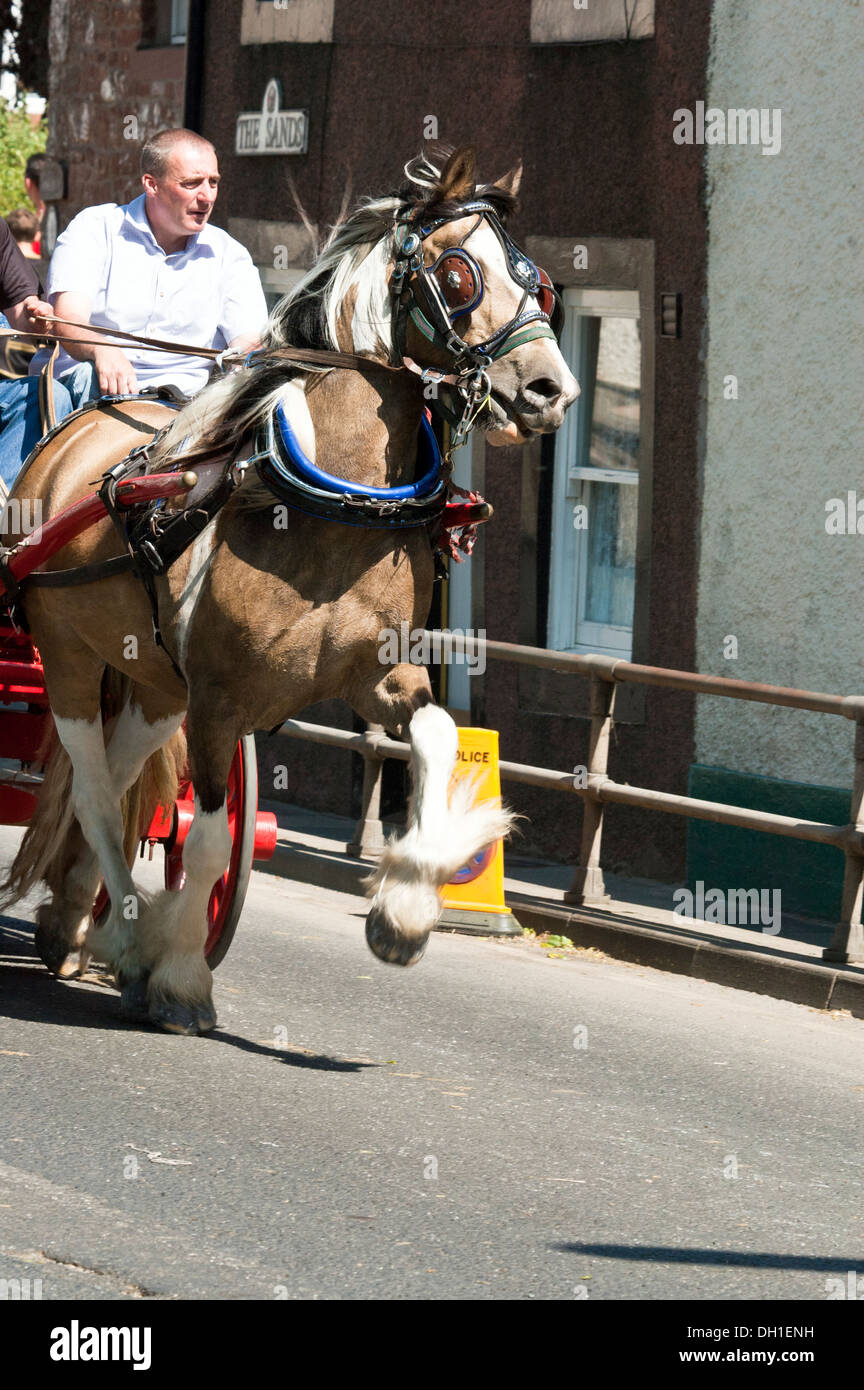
(449, 289)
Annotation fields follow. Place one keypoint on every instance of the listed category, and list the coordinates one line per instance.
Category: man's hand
(37, 311)
(114, 372)
(244, 343)
(29, 316)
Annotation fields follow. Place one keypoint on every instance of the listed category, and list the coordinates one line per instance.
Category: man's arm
(18, 283)
(114, 371)
(244, 308)
(76, 277)
(245, 343)
(29, 316)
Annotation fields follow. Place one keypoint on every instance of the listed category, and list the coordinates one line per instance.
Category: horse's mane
(355, 258)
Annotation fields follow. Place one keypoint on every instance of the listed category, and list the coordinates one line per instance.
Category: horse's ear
(510, 182)
(458, 176)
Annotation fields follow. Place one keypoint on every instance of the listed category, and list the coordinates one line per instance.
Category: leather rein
(430, 312)
(154, 539)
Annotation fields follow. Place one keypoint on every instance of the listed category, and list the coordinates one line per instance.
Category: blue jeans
(82, 384)
(20, 424)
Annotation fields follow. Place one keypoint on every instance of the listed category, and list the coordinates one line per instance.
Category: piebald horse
(258, 619)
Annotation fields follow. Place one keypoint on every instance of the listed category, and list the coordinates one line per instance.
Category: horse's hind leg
(62, 921)
(443, 832)
(174, 928)
(73, 821)
(147, 721)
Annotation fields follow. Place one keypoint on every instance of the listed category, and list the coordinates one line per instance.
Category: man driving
(154, 267)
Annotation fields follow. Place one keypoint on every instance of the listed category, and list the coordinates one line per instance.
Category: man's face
(180, 202)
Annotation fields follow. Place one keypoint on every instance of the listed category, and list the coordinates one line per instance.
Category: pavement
(638, 924)
(498, 1122)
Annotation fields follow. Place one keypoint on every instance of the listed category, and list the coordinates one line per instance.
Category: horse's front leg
(174, 927)
(444, 830)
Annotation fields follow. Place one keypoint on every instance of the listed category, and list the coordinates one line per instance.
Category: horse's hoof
(175, 1017)
(133, 999)
(56, 956)
(391, 945)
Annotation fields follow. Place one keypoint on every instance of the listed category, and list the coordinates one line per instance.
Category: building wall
(784, 314)
(593, 125)
(107, 96)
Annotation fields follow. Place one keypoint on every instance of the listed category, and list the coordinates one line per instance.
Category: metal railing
(605, 673)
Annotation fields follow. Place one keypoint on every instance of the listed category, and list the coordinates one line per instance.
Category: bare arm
(114, 371)
(28, 316)
(245, 343)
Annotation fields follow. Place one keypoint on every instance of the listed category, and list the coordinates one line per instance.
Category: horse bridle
(436, 296)
(452, 288)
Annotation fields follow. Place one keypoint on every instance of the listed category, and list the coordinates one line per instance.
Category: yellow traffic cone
(474, 898)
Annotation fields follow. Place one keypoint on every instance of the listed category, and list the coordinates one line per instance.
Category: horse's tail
(52, 838)
(42, 853)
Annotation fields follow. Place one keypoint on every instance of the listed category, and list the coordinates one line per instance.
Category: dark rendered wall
(593, 126)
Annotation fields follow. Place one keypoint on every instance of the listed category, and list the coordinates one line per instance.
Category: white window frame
(567, 631)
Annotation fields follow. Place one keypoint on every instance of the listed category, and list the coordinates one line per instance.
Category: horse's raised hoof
(56, 956)
(389, 944)
(173, 1016)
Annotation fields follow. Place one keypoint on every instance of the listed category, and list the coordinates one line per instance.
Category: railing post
(368, 839)
(588, 886)
(847, 943)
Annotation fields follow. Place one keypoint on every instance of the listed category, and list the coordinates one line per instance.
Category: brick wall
(107, 95)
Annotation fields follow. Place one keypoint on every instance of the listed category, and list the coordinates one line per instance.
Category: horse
(271, 605)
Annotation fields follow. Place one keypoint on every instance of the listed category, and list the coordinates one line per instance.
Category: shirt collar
(136, 216)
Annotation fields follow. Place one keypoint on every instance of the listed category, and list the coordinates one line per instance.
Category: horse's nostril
(543, 389)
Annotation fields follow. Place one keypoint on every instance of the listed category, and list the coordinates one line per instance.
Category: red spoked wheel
(229, 891)
(253, 836)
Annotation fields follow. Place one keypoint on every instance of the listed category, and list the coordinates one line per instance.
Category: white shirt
(206, 294)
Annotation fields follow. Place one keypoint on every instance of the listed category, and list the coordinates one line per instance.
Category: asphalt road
(356, 1131)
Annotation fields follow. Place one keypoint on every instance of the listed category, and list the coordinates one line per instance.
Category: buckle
(148, 552)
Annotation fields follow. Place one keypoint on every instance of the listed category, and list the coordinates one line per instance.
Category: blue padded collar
(429, 452)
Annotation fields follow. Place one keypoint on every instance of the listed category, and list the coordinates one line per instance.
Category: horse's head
(472, 305)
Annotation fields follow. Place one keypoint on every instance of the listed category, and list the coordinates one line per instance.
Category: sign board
(479, 885)
(52, 181)
(272, 130)
(49, 231)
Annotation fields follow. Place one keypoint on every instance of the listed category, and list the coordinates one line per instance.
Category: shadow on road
(315, 1061)
(669, 1254)
(28, 992)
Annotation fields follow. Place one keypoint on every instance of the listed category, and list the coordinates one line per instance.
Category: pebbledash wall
(784, 322)
(585, 99)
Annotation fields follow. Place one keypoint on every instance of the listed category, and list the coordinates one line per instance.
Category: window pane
(611, 569)
(592, 585)
(179, 17)
(614, 438)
